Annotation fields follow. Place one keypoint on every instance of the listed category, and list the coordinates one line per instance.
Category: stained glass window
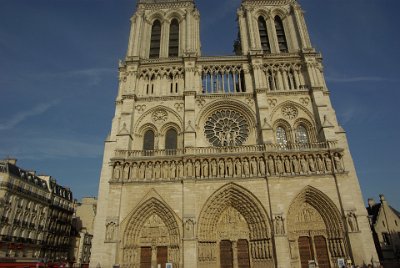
(281, 137)
(302, 135)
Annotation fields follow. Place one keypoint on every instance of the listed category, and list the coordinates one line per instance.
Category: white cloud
(358, 79)
(22, 116)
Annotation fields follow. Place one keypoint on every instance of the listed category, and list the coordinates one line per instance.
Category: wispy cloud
(358, 79)
(22, 116)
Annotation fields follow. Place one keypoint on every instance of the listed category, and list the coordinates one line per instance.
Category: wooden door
(162, 256)
(243, 253)
(321, 252)
(226, 254)
(145, 257)
(305, 251)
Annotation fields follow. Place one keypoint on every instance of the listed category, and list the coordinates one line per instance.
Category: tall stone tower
(233, 161)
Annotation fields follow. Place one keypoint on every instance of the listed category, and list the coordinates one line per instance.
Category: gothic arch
(263, 13)
(175, 14)
(313, 216)
(152, 211)
(303, 111)
(156, 15)
(139, 125)
(281, 13)
(245, 206)
(147, 127)
(309, 127)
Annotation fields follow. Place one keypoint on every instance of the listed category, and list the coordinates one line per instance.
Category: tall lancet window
(281, 137)
(148, 141)
(262, 28)
(173, 39)
(171, 141)
(280, 33)
(155, 39)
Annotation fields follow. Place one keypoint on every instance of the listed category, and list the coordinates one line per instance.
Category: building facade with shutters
(231, 161)
(36, 215)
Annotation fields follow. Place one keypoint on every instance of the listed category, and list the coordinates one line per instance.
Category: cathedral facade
(232, 161)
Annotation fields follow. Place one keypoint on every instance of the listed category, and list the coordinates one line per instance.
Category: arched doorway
(151, 237)
(315, 230)
(234, 231)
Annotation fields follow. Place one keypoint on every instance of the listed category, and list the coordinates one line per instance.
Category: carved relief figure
(279, 166)
(110, 231)
(173, 170)
(253, 165)
(165, 171)
(288, 168)
(271, 166)
(221, 167)
(238, 168)
(311, 163)
(205, 169)
(261, 166)
(328, 163)
(180, 169)
(189, 228)
(320, 164)
(117, 172)
(304, 165)
(214, 168)
(157, 170)
(197, 169)
(338, 162)
(246, 168)
(149, 171)
(189, 169)
(279, 225)
(134, 172)
(352, 221)
(126, 172)
(296, 165)
(229, 168)
(142, 170)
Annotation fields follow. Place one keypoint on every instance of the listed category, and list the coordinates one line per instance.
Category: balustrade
(223, 79)
(284, 76)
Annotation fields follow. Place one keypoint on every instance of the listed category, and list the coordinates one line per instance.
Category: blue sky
(58, 80)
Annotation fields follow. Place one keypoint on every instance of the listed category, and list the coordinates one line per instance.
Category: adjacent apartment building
(35, 217)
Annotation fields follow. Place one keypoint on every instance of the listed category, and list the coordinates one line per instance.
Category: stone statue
(149, 171)
(110, 231)
(157, 171)
(221, 167)
(311, 163)
(181, 172)
(279, 166)
(254, 168)
(142, 170)
(338, 162)
(271, 166)
(214, 168)
(328, 163)
(279, 225)
(117, 172)
(134, 172)
(320, 164)
(165, 171)
(304, 165)
(205, 170)
(238, 168)
(173, 170)
(352, 220)
(229, 168)
(246, 168)
(126, 172)
(189, 169)
(296, 166)
(197, 169)
(288, 168)
(261, 166)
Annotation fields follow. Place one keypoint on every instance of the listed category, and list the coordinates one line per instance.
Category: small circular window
(226, 128)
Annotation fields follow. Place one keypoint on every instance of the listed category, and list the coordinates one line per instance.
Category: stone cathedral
(230, 161)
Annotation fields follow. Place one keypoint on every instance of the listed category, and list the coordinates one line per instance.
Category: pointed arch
(136, 220)
(263, 32)
(155, 41)
(173, 46)
(280, 34)
(233, 195)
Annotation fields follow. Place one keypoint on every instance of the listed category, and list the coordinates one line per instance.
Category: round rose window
(226, 128)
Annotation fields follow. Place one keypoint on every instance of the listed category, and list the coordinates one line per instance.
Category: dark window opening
(262, 28)
(155, 40)
(174, 39)
(280, 33)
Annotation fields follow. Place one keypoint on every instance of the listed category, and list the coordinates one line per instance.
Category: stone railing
(126, 154)
(229, 162)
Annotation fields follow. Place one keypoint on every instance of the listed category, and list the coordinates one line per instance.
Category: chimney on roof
(371, 202)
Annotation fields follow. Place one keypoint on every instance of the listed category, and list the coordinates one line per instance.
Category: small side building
(35, 217)
(385, 226)
(83, 220)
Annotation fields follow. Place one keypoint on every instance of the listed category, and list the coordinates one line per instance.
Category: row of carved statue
(274, 165)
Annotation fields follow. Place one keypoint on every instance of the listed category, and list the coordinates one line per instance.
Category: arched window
(302, 135)
(155, 40)
(174, 39)
(262, 28)
(280, 33)
(171, 141)
(148, 141)
(281, 137)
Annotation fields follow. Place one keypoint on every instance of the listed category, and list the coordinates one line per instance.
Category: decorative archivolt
(175, 14)
(303, 112)
(231, 104)
(142, 123)
(159, 210)
(237, 197)
(324, 207)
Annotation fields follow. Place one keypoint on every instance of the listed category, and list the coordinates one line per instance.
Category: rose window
(226, 128)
